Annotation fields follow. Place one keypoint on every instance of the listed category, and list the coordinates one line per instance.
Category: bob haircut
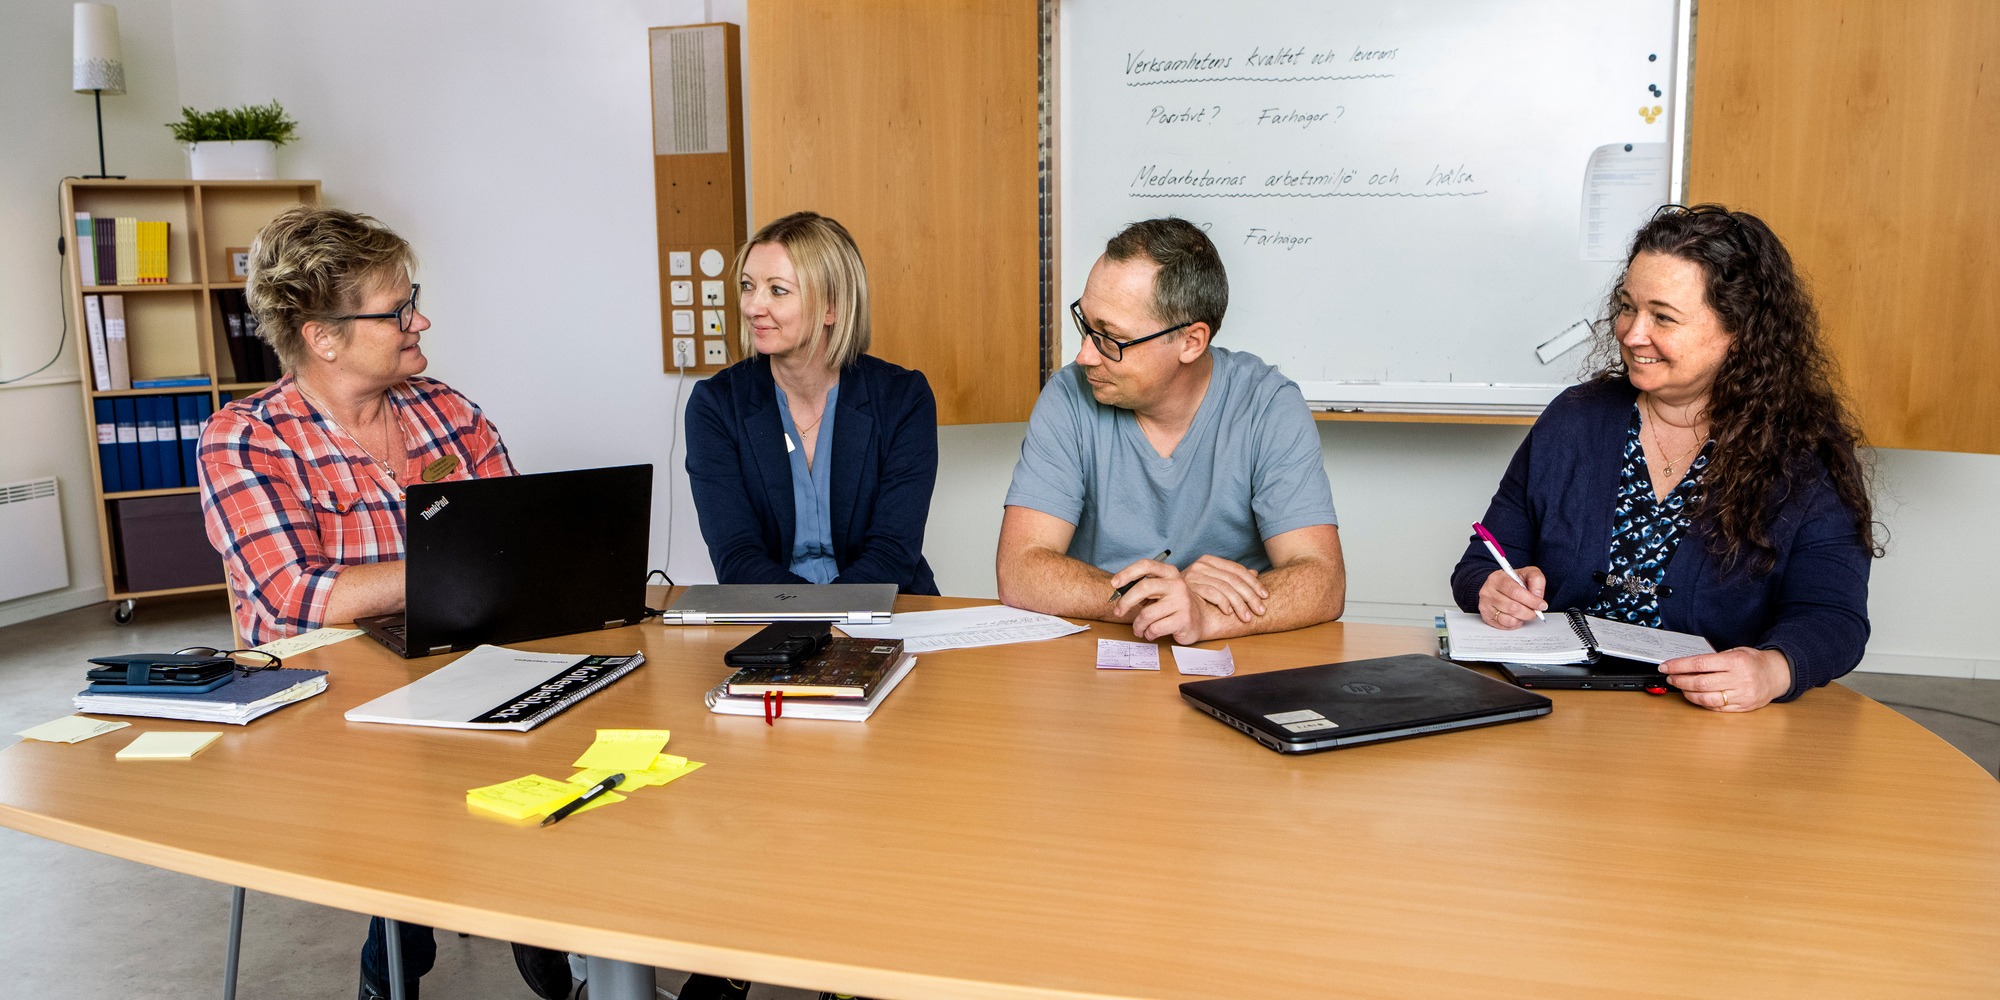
(314, 264)
(831, 276)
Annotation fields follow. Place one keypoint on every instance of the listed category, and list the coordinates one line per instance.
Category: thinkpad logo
(436, 505)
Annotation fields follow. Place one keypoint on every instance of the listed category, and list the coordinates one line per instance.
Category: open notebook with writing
(1566, 637)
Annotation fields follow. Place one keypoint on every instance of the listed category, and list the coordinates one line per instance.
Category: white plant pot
(235, 160)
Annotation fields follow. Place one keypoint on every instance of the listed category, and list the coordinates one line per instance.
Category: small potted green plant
(234, 143)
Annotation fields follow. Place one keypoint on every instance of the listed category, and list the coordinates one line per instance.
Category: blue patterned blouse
(1644, 534)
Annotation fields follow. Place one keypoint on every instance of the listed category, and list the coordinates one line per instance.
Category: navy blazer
(885, 458)
(1554, 511)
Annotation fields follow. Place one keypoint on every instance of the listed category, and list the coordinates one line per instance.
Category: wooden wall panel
(913, 122)
(1867, 133)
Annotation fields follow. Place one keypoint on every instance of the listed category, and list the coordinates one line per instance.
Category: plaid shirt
(290, 499)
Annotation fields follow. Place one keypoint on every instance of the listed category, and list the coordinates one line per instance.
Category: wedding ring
(1725, 697)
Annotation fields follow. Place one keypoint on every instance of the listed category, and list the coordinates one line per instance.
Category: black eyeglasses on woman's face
(405, 314)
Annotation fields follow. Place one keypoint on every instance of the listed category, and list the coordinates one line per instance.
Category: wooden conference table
(1016, 823)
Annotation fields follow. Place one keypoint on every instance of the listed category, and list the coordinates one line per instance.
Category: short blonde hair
(830, 274)
(314, 264)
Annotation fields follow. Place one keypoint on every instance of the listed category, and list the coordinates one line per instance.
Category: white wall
(511, 143)
(51, 133)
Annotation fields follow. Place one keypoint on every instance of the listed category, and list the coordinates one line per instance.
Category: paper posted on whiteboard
(1623, 185)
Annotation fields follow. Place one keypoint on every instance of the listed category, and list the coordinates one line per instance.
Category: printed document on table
(963, 628)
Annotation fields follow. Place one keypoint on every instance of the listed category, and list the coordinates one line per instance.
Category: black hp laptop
(521, 557)
(1363, 701)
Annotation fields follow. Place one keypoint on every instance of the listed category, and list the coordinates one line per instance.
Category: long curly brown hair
(1775, 411)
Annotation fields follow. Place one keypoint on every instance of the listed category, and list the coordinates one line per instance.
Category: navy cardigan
(884, 457)
(1554, 511)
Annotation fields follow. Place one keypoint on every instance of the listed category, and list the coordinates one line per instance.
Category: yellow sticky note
(293, 645)
(624, 749)
(166, 746)
(71, 729)
(534, 795)
(660, 776)
(671, 767)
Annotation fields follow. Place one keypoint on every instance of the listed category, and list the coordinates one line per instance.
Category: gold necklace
(1669, 464)
(388, 407)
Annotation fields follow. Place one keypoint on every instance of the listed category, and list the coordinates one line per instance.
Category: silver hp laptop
(1362, 701)
(760, 604)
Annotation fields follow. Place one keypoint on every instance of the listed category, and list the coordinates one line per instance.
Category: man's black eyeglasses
(405, 314)
(249, 661)
(1113, 350)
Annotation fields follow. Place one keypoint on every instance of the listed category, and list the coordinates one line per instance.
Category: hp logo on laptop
(1360, 687)
(787, 597)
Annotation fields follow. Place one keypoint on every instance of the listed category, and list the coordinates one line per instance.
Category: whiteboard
(1421, 203)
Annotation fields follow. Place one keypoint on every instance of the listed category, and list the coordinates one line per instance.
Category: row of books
(253, 359)
(120, 250)
(148, 442)
(110, 365)
(104, 324)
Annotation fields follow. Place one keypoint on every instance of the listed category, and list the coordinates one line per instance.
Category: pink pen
(1493, 546)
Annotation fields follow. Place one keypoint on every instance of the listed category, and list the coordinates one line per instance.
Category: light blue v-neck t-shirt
(812, 493)
(1248, 469)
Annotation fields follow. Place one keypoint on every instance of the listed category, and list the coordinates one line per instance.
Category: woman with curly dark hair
(1706, 479)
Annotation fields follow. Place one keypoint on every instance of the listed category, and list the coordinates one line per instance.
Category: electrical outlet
(683, 352)
(714, 353)
(680, 262)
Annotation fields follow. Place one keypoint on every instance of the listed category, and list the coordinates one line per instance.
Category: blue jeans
(419, 951)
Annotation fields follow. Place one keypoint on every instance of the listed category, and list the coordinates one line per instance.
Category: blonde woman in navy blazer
(810, 461)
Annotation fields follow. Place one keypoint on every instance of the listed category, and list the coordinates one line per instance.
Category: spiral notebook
(493, 687)
(1566, 637)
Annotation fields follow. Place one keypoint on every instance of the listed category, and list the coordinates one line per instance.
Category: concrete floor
(79, 924)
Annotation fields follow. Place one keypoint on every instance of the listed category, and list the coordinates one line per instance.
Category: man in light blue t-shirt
(1154, 440)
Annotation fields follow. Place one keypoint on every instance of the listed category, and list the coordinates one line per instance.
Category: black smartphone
(785, 644)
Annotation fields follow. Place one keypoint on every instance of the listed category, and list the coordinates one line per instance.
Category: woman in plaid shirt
(302, 483)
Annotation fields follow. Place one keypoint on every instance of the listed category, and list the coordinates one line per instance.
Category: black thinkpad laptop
(521, 557)
(1363, 701)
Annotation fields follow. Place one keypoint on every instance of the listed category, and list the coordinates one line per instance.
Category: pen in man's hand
(583, 800)
(1120, 592)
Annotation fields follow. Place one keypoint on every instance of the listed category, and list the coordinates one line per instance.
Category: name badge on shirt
(441, 468)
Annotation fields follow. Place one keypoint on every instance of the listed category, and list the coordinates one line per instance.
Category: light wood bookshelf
(171, 329)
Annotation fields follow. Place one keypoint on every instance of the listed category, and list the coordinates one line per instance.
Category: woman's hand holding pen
(1509, 605)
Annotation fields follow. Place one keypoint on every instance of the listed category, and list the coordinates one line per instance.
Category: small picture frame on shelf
(239, 263)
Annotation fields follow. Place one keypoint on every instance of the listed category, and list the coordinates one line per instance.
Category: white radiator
(32, 558)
